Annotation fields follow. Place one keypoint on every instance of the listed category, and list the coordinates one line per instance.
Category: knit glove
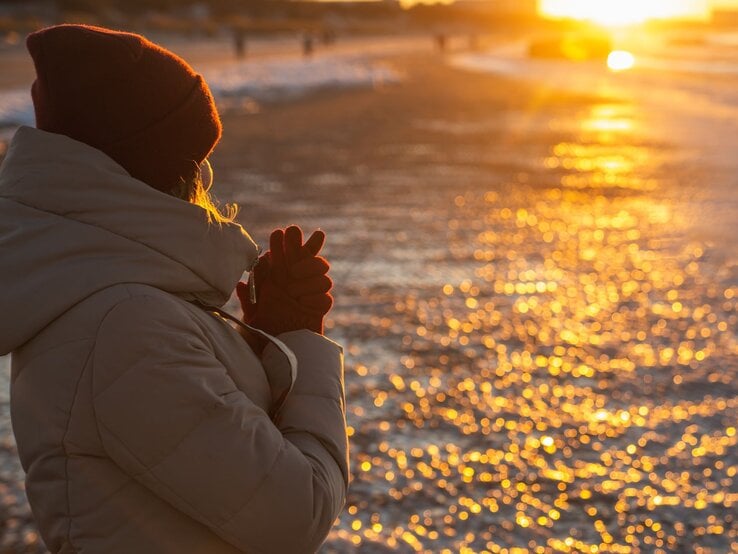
(292, 288)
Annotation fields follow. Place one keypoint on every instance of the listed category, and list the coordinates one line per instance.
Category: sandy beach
(536, 290)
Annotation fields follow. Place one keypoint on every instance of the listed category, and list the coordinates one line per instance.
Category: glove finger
(292, 244)
(321, 303)
(242, 291)
(263, 268)
(276, 247)
(312, 285)
(309, 267)
(314, 244)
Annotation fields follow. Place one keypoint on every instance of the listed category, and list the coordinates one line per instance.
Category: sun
(620, 60)
(614, 13)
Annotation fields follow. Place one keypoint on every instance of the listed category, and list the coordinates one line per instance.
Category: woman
(144, 421)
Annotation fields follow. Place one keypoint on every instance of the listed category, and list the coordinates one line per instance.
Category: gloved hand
(292, 288)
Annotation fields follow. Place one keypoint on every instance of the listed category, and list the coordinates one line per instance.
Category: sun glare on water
(624, 12)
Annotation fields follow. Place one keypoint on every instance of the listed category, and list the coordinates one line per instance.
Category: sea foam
(274, 79)
(271, 79)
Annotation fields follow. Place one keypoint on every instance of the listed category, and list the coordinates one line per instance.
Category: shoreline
(274, 71)
(501, 276)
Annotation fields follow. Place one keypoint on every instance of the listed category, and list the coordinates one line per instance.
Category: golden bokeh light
(571, 392)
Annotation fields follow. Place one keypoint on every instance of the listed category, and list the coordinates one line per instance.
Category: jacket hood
(73, 222)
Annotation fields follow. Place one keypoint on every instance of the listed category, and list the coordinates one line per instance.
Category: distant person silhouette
(145, 422)
(239, 42)
(441, 42)
(308, 45)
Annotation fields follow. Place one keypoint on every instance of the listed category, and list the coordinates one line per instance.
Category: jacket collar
(74, 221)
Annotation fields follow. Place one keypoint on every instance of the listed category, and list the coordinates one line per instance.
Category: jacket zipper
(252, 276)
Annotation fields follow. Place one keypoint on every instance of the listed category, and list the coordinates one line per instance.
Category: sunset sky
(730, 4)
(618, 11)
(624, 12)
(712, 3)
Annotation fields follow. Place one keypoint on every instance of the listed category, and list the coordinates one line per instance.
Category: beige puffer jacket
(141, 419)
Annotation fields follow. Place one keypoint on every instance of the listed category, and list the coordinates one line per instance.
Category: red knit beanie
(120, 93)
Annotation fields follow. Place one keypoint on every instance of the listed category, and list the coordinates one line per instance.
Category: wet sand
(539, 327)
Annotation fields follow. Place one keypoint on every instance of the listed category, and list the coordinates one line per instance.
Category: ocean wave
(275, 79)
(16, 108)
(264, 80)
(513, 60)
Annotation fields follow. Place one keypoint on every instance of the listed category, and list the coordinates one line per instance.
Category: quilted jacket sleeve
(169, 414)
